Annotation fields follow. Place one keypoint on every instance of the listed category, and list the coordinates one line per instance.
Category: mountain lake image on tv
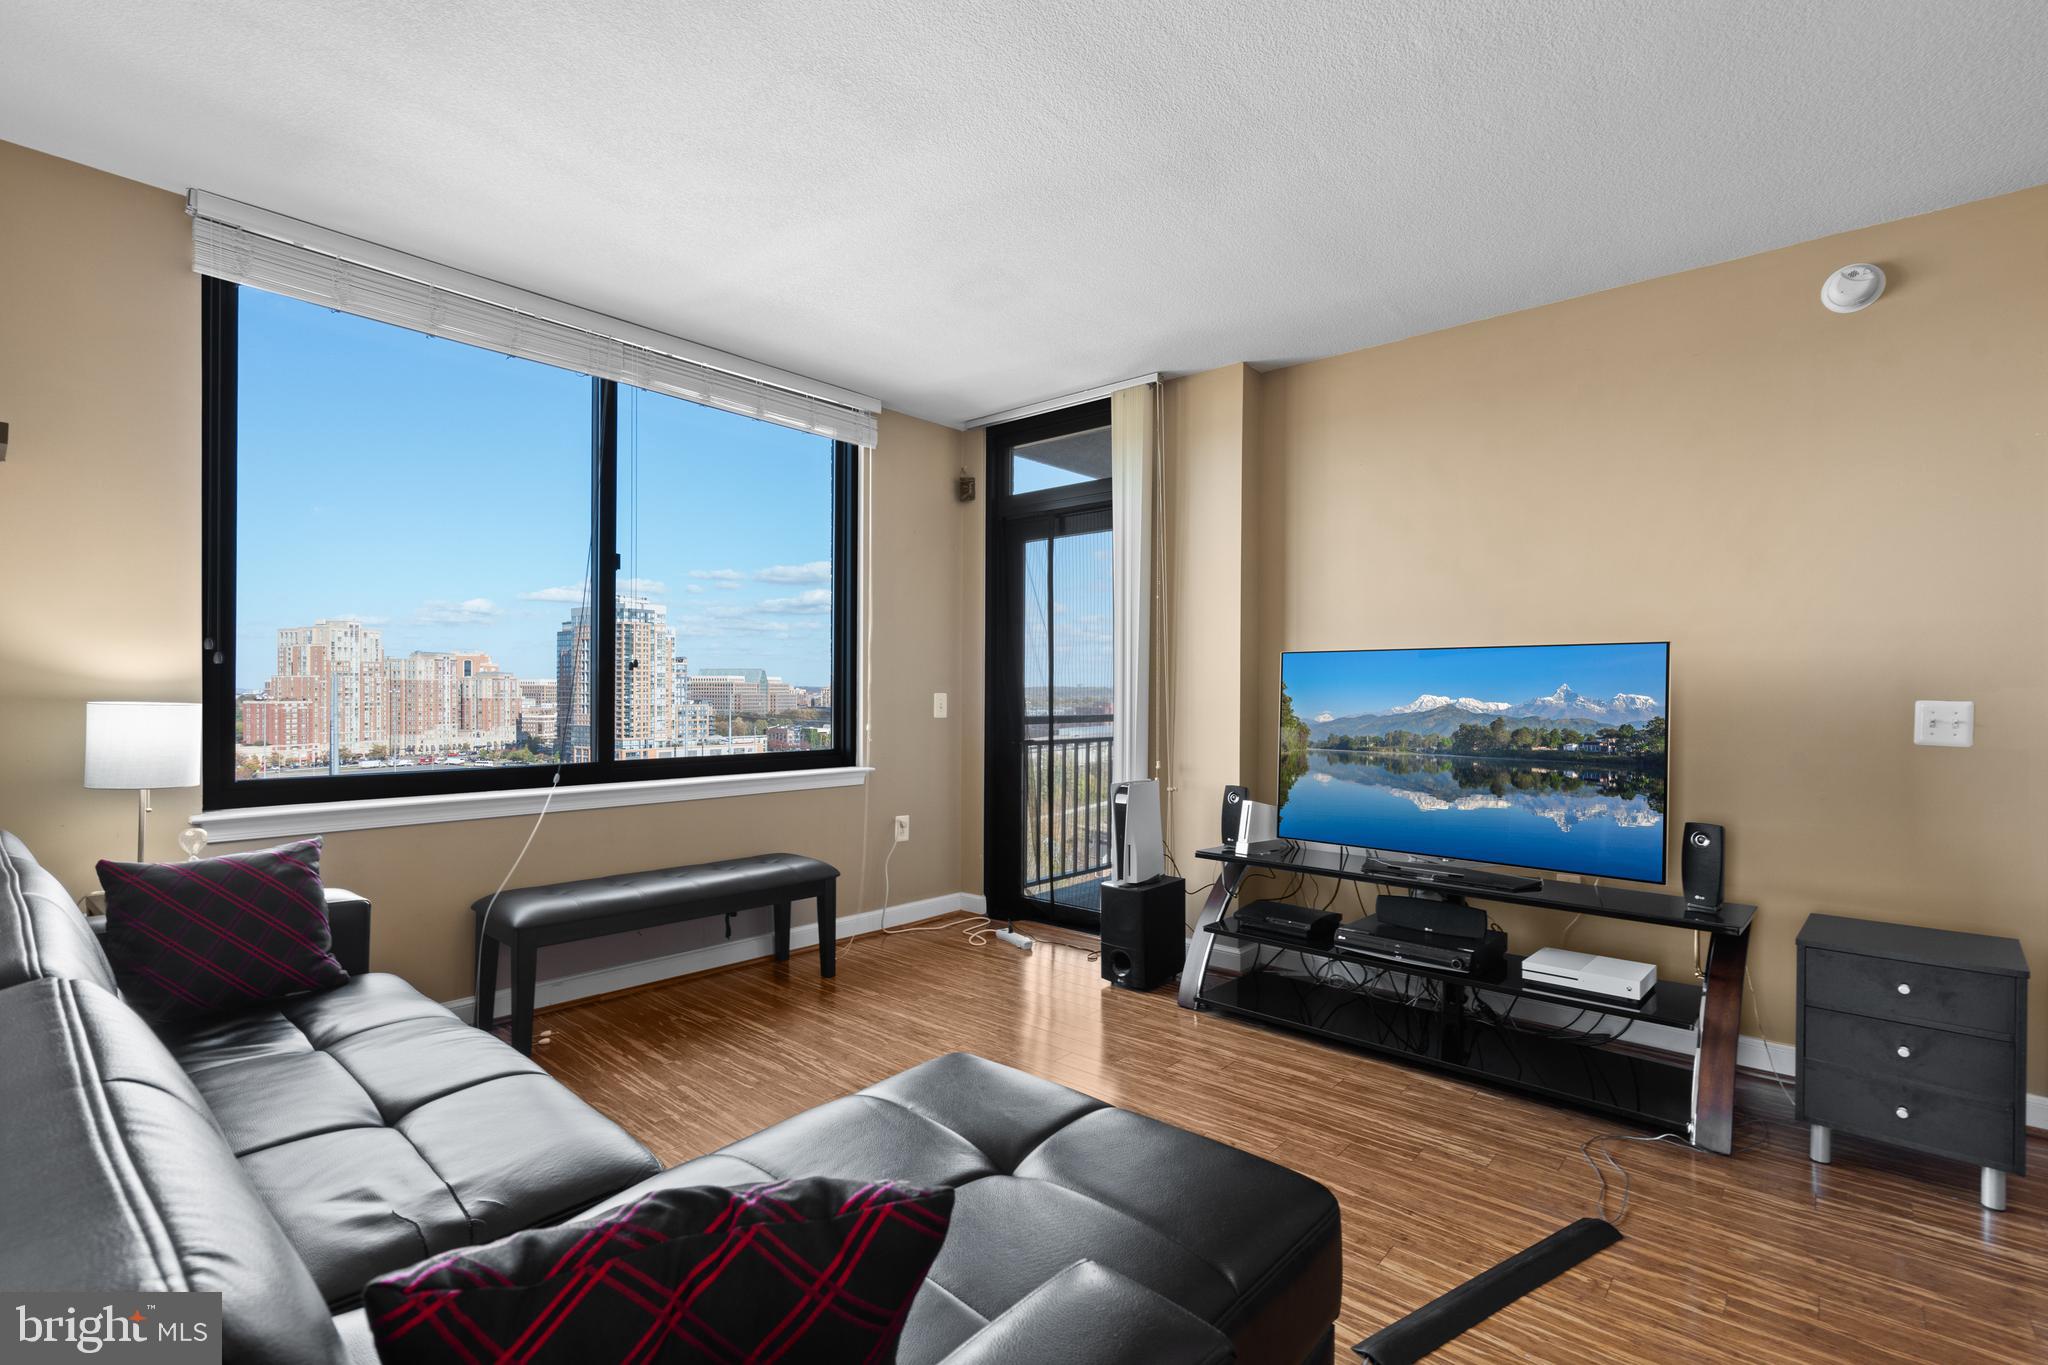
(1551, 757)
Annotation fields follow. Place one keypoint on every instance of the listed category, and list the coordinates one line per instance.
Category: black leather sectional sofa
(286, 1154)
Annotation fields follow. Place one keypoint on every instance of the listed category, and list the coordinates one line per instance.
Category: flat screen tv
(1551, 757)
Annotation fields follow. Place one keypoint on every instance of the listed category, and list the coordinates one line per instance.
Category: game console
(1605, 978)
(1298, 923)
(1257, 824)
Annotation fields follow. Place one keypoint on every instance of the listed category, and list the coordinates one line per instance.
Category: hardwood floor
(1756, 1256)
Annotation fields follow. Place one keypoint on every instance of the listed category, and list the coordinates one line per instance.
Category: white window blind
(252, 246)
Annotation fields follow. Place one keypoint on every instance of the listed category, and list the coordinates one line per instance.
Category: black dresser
(1916, 1037)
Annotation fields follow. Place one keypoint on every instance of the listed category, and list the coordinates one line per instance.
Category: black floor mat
(1486, 1293)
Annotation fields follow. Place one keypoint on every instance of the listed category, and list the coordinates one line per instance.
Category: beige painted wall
(1829, 517)
(1210, 546)
(99, 597)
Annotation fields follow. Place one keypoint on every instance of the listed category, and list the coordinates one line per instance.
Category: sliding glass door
(1051, 668)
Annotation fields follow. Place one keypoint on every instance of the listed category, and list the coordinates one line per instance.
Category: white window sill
(329, 817)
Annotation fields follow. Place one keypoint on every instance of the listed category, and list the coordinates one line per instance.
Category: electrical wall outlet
(902, 829)
(938, 706)
(1950, 724)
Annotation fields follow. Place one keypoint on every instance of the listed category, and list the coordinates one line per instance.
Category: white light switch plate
(938, 706)
(1950, 724)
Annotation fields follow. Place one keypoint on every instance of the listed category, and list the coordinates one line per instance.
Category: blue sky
(1361, 681)
(1082, 617)
(441, 493)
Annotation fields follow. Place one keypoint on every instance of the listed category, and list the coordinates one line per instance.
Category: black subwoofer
(1143, 937)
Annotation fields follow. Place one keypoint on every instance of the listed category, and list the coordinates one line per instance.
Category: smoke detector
(1853, 288)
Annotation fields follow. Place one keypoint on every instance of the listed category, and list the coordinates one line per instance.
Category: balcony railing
(1067, 838)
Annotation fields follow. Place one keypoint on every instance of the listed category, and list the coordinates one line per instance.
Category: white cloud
(729, 579)
(724, 622)
(468, 612)
(817, 571)
(814, 602)
(693, 587)
(631, 587)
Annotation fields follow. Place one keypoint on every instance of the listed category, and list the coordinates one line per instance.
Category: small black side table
(1916, 1037)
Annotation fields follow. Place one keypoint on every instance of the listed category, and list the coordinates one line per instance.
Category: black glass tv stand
(1454, 1022)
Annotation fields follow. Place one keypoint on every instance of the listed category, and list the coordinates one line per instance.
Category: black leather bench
(535, 917)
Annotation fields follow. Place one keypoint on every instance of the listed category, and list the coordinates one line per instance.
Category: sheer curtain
(1133, 437)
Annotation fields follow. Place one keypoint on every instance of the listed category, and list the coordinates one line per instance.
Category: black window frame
(219, 339)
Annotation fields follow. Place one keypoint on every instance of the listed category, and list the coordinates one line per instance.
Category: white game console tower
(1612, 978)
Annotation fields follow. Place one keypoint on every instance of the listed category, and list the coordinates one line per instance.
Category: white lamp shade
(135, 744)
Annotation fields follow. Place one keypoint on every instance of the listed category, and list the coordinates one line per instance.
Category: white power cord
(1756, 1008)
(1586, 1148)
(976, 927)
(1586, 1151)
(482, 1012)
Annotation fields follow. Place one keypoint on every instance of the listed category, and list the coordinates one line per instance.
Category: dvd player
(1368, 937)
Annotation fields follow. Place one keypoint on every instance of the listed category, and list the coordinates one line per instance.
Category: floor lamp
(137, 745)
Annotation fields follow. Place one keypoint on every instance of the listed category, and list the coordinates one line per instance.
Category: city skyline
(452, 514)
(336, 695)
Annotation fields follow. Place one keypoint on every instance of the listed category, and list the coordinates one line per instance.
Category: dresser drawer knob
(1901, 1112)
(1905, 1051)
(1904, 989)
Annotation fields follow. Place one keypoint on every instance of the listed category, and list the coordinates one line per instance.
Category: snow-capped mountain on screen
(1434, 714)
(1623, 708)
(1429, 701)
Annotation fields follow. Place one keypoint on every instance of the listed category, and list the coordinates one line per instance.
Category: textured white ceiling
(961, 207)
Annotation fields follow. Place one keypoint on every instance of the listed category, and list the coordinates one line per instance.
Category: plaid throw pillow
(806, 1270)
(198, 938)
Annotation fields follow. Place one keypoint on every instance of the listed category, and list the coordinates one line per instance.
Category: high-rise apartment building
(573, 647)
(338, 664)
(691, 731)
(286, 726)
(442, 703)
(644, 646)
(644, 708)
(537, 729)
(433, 704)
(334, 682)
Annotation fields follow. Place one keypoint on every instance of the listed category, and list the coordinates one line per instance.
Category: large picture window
(432, 567)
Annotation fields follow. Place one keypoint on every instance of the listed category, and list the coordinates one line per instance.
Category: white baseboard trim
(1227, 957)
(556, 990)
(1781, 1059)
